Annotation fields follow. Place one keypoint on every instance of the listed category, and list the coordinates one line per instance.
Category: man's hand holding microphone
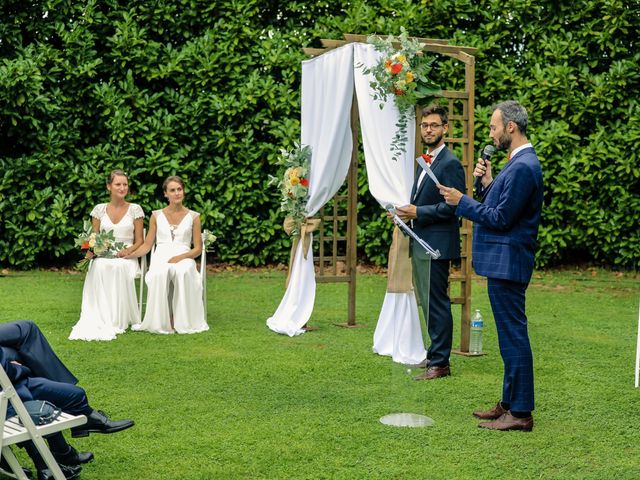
(482, 172)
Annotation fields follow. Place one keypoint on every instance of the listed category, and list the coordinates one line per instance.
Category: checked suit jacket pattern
(506, 222)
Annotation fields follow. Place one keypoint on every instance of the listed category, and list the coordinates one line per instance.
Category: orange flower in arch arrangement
(293, 184)
(396, 68)
(403, 73)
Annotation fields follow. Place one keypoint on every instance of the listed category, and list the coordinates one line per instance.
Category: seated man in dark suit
(38, 374)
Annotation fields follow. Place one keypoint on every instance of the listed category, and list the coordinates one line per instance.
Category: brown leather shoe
(434, 372)
(494, 413)
(423, 364)
(509, 422)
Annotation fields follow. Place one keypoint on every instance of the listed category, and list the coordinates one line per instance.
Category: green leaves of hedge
(210, 91)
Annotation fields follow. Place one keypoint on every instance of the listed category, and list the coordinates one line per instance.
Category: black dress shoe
(73, 457)
(5, 469)
(99, 422)
(69, 471)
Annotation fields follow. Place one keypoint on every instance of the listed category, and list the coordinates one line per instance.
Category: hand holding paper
(450, 194)
(407, 212)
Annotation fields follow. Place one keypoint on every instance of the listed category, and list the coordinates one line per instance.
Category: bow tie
(427, 158)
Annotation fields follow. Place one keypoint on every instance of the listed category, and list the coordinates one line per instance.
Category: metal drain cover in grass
(407, 420)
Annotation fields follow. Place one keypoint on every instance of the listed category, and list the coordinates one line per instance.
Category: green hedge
(210, 91)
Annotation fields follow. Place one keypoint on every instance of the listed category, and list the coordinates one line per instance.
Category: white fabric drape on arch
(327, 93)
(327, 90)
(398, 333)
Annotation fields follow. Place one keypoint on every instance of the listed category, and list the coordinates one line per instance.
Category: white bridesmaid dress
(109, 300)
(174, 289)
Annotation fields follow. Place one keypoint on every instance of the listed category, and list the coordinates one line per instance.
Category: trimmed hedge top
(210, 91)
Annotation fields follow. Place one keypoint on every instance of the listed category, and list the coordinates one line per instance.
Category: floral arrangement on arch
(401, 72)
(102, 244)
(294, 184)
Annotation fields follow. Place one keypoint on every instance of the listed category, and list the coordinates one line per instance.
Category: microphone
(487, 153)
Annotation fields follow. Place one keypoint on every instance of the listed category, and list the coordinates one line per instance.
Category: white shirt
(522, 147)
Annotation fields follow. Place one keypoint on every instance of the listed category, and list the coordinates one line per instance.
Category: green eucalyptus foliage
(209, 90)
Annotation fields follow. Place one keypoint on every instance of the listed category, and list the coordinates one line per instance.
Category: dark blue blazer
(507, 220)
(436, 222)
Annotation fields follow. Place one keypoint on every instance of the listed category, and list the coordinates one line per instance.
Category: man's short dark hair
(437, 110)
(513, 111)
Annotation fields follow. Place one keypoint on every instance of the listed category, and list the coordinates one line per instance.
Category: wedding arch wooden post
(466, 140)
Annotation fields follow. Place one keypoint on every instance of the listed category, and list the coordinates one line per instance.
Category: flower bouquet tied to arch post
(294, 186)
(403, 72)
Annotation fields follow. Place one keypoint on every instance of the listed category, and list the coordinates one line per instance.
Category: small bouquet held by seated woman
(101, 244)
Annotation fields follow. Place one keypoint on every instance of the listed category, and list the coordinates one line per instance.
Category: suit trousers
(432, 289)
(69, 398)
(508, 305)
(33, 351)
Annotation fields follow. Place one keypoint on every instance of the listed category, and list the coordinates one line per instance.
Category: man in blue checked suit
(504, 239)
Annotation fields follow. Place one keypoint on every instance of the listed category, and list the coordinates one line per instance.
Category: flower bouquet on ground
(294, 184)
(402, 72)
(208, 239)
(102, 244)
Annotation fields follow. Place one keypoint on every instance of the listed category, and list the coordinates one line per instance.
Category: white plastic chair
(638, 352)
(21, 428)
(203, 276)
(143, 271)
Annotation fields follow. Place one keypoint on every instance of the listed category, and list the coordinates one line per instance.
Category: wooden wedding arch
(338, 227)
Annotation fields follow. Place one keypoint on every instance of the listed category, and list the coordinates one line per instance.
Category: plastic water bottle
(475, 339)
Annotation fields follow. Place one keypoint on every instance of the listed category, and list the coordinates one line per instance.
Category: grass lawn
(240, 402)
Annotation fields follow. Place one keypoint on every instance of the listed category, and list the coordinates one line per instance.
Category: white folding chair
(638, 352)
(143, 271)
(203, 276)
(21, 428)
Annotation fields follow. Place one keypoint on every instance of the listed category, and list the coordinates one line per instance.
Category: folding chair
(143, 271)
(21, 428)
(203, 276)
(638, 352)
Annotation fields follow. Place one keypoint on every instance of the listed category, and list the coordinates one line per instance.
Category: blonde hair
(116, 173)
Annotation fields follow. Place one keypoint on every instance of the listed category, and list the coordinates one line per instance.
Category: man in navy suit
(504, 239)
(437, 224)
(37, 373)
(23, 342)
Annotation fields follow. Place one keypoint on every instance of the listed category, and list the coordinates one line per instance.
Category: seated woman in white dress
(174, 298)
(109, 301)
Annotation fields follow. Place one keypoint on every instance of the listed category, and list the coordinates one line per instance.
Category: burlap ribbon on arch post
(308, 226)
(399, 272)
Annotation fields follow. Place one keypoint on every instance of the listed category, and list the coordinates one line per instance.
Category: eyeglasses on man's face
(431, 126)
